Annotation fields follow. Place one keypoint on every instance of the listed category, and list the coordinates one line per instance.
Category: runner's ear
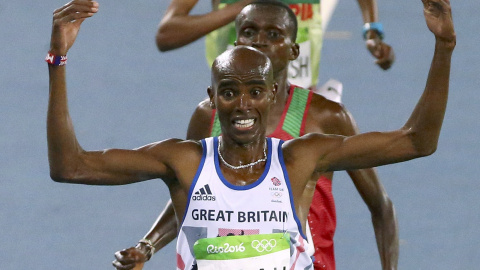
(294, 51)
(274, 92)
(211, 96)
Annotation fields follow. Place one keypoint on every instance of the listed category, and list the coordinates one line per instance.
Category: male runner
(178, 28)
(295, 113)
(243, 91)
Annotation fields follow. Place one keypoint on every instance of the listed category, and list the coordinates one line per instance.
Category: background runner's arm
(179, 28)
(369, 11)
(379, 49)
(375, 197)
(162, 232)
(382, 213)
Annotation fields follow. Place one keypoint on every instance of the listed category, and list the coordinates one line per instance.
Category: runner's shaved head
(242, 61)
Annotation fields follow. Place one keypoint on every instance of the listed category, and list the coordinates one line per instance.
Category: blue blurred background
(124, 93)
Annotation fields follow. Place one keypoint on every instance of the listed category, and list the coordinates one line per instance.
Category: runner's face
(243, 92)
(268, 29)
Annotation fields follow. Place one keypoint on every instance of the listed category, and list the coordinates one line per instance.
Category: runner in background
(178, 28)
(270, 26)
(243, 91)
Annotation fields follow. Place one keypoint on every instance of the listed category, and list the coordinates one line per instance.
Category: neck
(281, 98)
(236, 154)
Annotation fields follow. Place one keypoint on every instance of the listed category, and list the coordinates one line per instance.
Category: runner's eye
(273, 34)
(255, 92)
(248, 32)
(228, 94)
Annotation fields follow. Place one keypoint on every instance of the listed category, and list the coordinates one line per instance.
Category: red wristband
(56, 60)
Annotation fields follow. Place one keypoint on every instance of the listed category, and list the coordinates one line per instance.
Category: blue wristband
(374, 26)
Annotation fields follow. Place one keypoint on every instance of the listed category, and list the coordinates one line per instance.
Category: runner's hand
(131, 258)
(66, 24)
(438, 15)
(381, 51)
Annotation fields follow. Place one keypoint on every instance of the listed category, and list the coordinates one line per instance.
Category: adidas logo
(203, 194)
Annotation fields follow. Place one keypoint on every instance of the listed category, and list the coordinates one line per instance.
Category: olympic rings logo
(276, 194)
(264, 245)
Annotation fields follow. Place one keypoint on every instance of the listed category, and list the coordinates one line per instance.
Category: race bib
(244, 252)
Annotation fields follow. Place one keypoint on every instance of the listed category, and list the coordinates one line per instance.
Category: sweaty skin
(323, 117)
(267, 28)
(305, 158)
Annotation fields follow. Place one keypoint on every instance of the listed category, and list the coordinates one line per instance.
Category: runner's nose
(244, 102)
(259, 40)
